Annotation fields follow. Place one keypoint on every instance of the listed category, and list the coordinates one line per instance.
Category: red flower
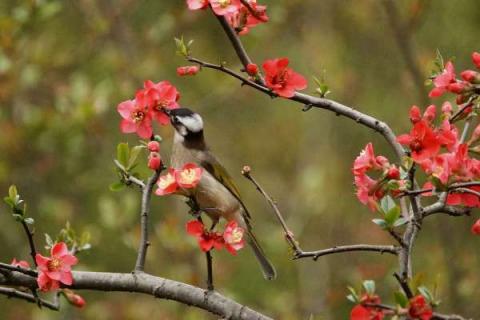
(367, 161)
(466, 199)
(153, 146)
(197, 4)
(419, 308)
(21, 263)
(154, 161)
(189, 176)
(252, 69)
(157, 96)
(476, 59)
(476, 227)
(281, 79)
(56, 269)
(442, 81)
(365, 312)
(188, 70)
(447, 135)
(136, 118)
(470, 76)
(369, 192)
(206, 240)
(422, 141)
(223, 7)
(74, 299)
(233, 237)
(167, 183)
(243, 19)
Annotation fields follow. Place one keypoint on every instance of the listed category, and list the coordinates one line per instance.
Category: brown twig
(348, 248)
(13, 293)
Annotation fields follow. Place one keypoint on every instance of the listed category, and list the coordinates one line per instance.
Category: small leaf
(400, 222)
(387, 204)
(426, 293)
(134, 152)
(18, 217)
(401, 299)
(116, 186)
(9, 201)
(48, 240)
(123, 153)
(353, 296)
(392, 215)
(29, 221)
(12, 192)
(369, 286)
(380, 222)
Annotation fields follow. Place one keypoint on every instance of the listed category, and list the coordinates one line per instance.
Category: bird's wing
(215, 168)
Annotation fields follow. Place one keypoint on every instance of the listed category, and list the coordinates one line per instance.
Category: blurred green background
(65, 65)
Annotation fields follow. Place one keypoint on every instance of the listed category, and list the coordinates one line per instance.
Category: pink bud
(154, 161)
(476, 59)
(456, 87)
(74, 299)
(393, 173)
(447, 107)
(476, 228)
(153, 146)
(429, 113)
(188, 70)
(415, 115)
(252, 69)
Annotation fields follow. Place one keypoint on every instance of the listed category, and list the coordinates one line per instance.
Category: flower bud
(429, 114)
(252, 69)
(470, 76)
(415, 115)
(154, 161)
(476, 59)
(393, 173)
(456, 87)
(74, 299)
(153, 146)
(188, 70)
(476, 228)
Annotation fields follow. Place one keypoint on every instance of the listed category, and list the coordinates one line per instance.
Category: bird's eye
(176, 119)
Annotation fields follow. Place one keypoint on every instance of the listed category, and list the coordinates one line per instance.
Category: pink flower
(367, 161)
(233, 237)
(442, 81)
(136, 118)
(422, 141)
(167, 183)
(420, 309)
(476, 59)
(243, 20)
(223, 7)
(189, 176)
(476, 228)
(22, 264)
(188, 70)
(157, 97)
(197, 4)
(206, 240)
(56, 269)
(281, 79)
(153, 146)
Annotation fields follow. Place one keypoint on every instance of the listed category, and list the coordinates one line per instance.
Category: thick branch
(13, 293)
(144, 243)
(158, 287)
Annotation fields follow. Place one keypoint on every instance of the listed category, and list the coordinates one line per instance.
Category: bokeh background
(65, 65)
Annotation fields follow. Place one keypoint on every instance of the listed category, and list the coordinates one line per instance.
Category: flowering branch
(298, 252)
(128, 177)
(145, 209)
(158, 287)
(13, 293)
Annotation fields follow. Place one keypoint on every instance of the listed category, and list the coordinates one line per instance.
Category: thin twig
(404, 285)
(128, 177)
(349, 248)
(33, 250)
(9, 267)
(145, 210)
(13, 293)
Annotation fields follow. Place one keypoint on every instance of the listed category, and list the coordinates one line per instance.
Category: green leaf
(123, 153)
(387, 204)
(380, 222)
(369, 286)
(182, 48)
(426, 293)
(400, 222)
(116, 186)
(18, 217)
(353, 296)
(48, 241)
(12, 192)
(401, 299)
(392, 215)
(9, 201)
(29, 221)
(134, 152)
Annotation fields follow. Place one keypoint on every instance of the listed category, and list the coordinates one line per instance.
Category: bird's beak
(167, 112)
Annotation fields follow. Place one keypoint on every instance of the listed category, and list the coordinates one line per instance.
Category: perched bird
(216, 193)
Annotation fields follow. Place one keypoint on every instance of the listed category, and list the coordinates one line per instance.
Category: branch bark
(158, 287)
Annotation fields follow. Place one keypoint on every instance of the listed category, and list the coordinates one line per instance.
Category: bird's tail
(268, 270)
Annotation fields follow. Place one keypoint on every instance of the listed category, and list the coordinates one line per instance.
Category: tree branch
(158, 287)
(355, 247)
(145, 210)
(13, 293)
(128, 177)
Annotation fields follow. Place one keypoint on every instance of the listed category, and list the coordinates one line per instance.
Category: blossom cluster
(148, 105)
(241, 17)
(231, 239)
(185, 178)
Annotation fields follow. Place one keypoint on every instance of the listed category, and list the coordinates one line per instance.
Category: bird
(216, 193)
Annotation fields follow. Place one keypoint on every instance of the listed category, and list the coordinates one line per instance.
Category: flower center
(138, 116)
(416, 145)
(224, 3)
(54, 264)
(165, 181)
(237, 235)
(188, 175)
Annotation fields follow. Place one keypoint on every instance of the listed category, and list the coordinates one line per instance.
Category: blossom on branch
(364, 311)
(419, 308)
(157, 97)
(189, 176)
(233, 237)
(56, 269)
(167, 183)
(282, 79)
(188, 70)
(443, 80)
(206, 239)
(20, 263)
(136, 118)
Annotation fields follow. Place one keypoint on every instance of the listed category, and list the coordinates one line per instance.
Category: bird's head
(185, 121)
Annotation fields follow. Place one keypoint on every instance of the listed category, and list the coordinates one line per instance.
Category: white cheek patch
(193, 123)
